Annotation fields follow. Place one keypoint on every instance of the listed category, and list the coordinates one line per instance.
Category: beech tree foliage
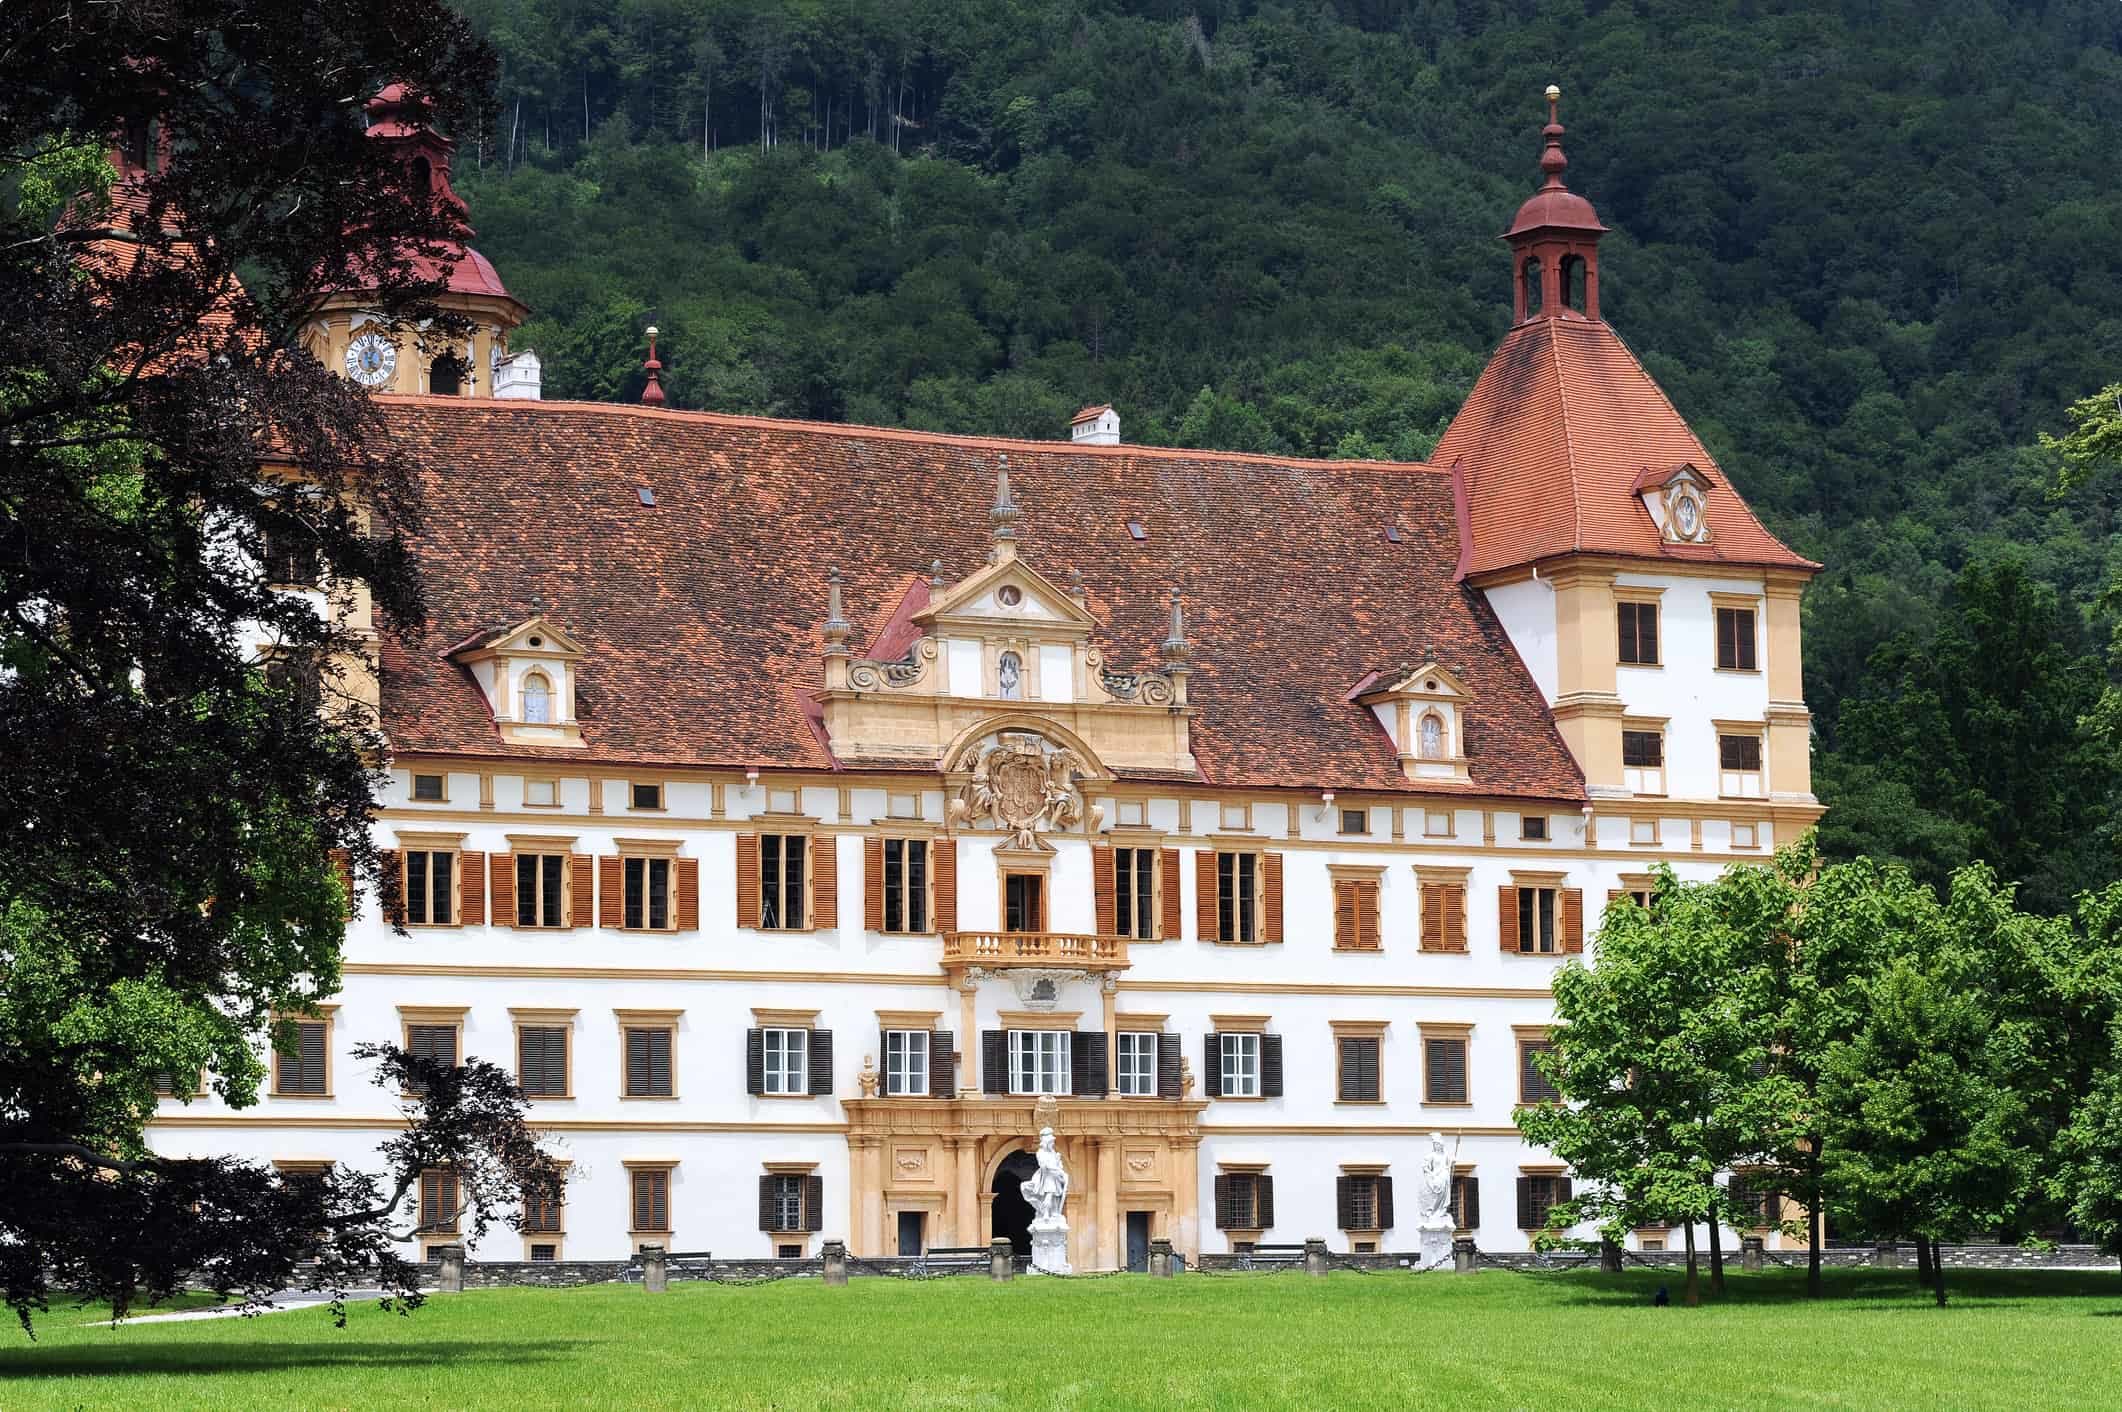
(170, 809)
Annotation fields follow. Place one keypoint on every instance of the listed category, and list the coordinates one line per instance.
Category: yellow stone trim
(537, 1016)
(1366, 1169)
(905, 1019)
(433, 1014)
(441, 842)
(574, 1125)
(776, 1018)
(647, 1017)
(651, 847)
(1374, 1029)
(1522, 878)
(1239, 1024)
(542, 842)
(1437, 874)
(1445, 1029)
(1038, 1019)
(1140, 1022)
(788, 1169)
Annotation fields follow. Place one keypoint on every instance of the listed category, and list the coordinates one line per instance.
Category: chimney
(1095, 426)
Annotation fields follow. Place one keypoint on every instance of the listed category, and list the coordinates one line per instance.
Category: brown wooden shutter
(755, 1061)
(688, 874)
(1344, 1202)
(1367, 917)
(1271, 896)
(501, 888)
(471, 889)
(1359, 1069)
(1385, 1202)
(824, 883)
(1263, 1201)
(1345, 925)
(943, 880)
(1206, 865)
(747, 880)
(582, 887)
(391, 871)
(813, 1202)
(873, 884)
(1169, 907)
(1614, 894)
(1507, 917)
(652, 1201)
(1455, 917)
(611, 892)
(1573, 919)
(1270, 1066)
(820, 1053)
(767, 1203)
(942, 1065)
(1212, 1065)
(1432, 916)
(994, 1061)
(1225, 1216)
(1101, 886)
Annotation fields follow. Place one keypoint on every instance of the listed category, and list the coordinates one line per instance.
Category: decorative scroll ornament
(1021, 785)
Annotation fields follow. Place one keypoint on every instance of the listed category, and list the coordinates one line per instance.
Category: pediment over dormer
(528, 671)
(1677, 500)
(1008, 592)
(1424, 710)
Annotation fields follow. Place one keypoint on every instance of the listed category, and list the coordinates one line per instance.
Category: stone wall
(554, 1274)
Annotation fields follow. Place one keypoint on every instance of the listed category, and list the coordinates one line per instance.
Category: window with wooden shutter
(685, 874)
(1105, 890)
(471, 889)
(813, 1202)
(1270, 1066)
(944, 888)
(1736, 641)
(1573, 920)
(611, 893)
(783, 881)
(784, 1199)
(1137, 1059)
(1443, 915)
(994, 1061)
(1639, 633)
(1533, 1085)
(747, 890)
(1466, 1201)
(906, 1056)
(1244, 1201)
(896, 883)
(1271, 897)
(1355, 912)
(438, 1202)
(1754, 1204)
(819, 1080)
(437, 1042)
(648, 895)
(541, 1060)
(649, 1072)
(543, 1216)
(1234, 886)
(1444, 1069)
(302, 1070)
(1363, 1201)
(785, 1061)
(1358, 1068)
(1169, 921)
(1087, 1064)
(1538, 1193)
(651, 1200)
(942, 1065)
(582, 886)
(428, 886)
(1171, 1078)
(1529, 919)
(538, 890)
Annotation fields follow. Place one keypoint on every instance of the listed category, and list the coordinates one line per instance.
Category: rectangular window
(541, 1061)
(1359, 1069)
(648, 1062)
(300, 1070)
(438, 1202)
(1241, 1065)
(544, 1253)
(1537, 1194)
(428, 788)
(541, 882)
(1745, 836)
(1362, 1212)
(1533, 1086)
(647, 894)
(541, 1217)
(1135, 892)
(1639, 633)
(906, 885)
(652, 1201)
(1234, 816)
(431, 1041)
(788, 1203)
(1355, 821)
(645, 796)
(787, 1061)
(784, 899)
(1532, 828)
(1735, 640)
(1466, 1201)
(1436, 824)
(1536, 920)
(1238, 1201)
(1039, 1061)
(1237, 897)
(1024, 902)
(1137, 1074)
(1643, 761)
(543, 793)
(1739, 765)
(1444, 1069)
(430, 887)
(906, 1063)
(1642, 830)
(290, 559)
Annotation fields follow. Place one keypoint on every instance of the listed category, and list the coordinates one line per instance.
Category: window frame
(637, 915)
(1032, 1059)
(1138, 911)
(1246, 1179)
(660, 802)
(774, 881)
(1638, 604)
(441, 794)
(1461, 1035)
(1746, 648)
(561, 1020)
(794, 1059)
(430, 851)
(648, 1021)
(1647, 778)
(1528, 834)
(434, 1017)
(327, 1018)
(538, 859)
(1347, 1032)
(1530, 1041)
(635, 1171)
(1361, 815)
(1530, 896)
(552, 711)
(907, 1087)
(1233, 1047)
(1240, 897)
(1742, 731)
(906, 892)
(1032, 881)
(1126, 1065)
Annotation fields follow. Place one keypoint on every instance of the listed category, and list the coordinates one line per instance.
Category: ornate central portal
(948, 1159)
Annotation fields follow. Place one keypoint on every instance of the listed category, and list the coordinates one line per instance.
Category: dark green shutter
(1263, 1201)
(1086, 1064)
(1345, 1202)
(1212, 1065)
(766, 1203)
(821, 1062)
(1224, 1213)
(1528, 1218)
(813, 1202)
(1270, 1068)
(994, 1061)
(1384, 1185)
(1170, 1082)
(942, 1065)
(755, 1062)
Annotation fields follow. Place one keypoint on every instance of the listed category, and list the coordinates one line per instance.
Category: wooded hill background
(1872, 250)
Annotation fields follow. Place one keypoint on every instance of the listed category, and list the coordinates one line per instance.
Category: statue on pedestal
(1437, 1225)
(1047, 1192)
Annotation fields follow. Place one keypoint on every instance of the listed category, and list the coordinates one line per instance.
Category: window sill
(1245, 944)
(1359, 950)
(1641, 666)
(1237, 1098)
(548, 1098)
(1441, 950)
(1447, 1103)
(1737, 671)
(304, 1097)
(1359, 1103)
(648, 1098)
(788, 1097)
(644, 931)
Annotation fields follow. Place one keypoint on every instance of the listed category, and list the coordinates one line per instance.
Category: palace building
(807, 813)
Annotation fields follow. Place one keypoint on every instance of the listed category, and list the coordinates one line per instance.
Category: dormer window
(1432, 736)
(1678, 501)
(1424, 712)
(537, 700)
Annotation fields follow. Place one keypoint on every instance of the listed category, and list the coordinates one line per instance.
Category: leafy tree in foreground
(167, 885)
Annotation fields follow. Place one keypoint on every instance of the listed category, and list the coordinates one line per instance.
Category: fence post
(1463, 1255)
(1160, 1258)
(450, 1277)
(1001, 1260)
(655, 1269)
(1750, 1248)
(1314, 1256)
(836, 1262)
(1610, 1257)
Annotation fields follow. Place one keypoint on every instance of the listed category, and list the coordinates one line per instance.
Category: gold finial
(1554, 101)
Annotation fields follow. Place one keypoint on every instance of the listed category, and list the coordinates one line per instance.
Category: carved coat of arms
(1021, 786)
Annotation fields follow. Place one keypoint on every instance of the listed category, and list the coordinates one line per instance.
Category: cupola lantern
(1554, 242)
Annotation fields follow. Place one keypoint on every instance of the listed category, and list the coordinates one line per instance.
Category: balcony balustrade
(1073, 950)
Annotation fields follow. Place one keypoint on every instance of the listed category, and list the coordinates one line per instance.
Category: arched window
(445, 376)
(537, 700)
(1532, 287)
(423, 182)
(1009, 677)
(1573, 282)
(1432, 736)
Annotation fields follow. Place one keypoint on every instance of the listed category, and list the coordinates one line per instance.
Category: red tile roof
(700, 616)
(1552, 444)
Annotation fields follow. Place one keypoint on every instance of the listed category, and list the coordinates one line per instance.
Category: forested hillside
(1872, 251)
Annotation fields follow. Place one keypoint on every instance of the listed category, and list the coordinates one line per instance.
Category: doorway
(910, 1223)
(1012, 1214)
(1138, 1241)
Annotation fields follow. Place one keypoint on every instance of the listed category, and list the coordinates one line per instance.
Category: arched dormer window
(1431, 736)
(1530, 273)
(1009, 677)
(537, 700)
(1573, 282)
(445, 376)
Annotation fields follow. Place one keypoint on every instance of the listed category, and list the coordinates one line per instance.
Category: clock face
(1687, 515)
(371, 360)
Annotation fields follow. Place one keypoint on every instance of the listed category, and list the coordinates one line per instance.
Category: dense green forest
(1873, 250)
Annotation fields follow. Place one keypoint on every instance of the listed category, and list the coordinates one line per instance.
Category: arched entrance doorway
(1012, 1214)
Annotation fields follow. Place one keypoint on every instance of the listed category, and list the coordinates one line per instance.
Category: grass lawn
(2021, 1341)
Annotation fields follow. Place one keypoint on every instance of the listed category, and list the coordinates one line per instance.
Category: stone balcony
(1076, 951)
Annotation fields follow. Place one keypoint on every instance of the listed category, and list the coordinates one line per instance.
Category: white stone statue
(1047, 1192)
(1437, 1225)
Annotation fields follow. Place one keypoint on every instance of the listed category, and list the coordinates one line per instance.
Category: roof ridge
(859, 429)
(1569, 445)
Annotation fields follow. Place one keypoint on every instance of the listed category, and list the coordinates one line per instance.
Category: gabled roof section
(1552, 442)
(536, 634)
(1432, 681)
(973, 598)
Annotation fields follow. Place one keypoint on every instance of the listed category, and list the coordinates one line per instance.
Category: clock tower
(349, 334)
